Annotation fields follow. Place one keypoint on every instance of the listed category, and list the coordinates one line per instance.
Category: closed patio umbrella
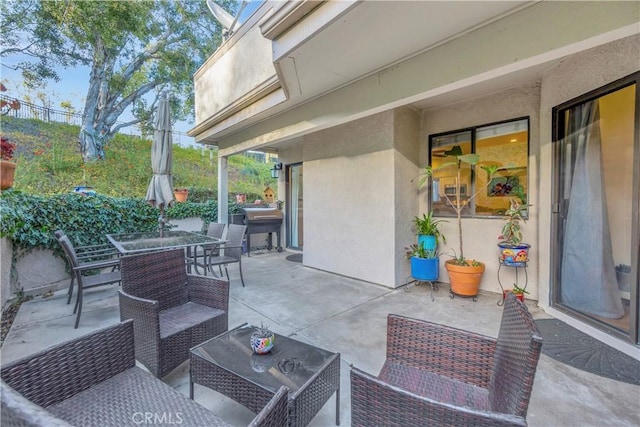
(160, 191)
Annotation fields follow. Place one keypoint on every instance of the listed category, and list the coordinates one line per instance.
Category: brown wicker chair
(88, 259)
(437, 375)
(172, 310)
(94, 381)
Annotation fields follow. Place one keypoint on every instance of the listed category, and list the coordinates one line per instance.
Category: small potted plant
(425, 263)
(517, 291)
(513, 252)
(7, 167)
(428, 231)
(181, 194)
(262, 340)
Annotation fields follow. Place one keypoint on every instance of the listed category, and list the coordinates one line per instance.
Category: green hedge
(30, 220)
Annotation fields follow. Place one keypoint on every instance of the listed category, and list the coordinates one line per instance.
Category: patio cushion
(186, 316)
(434, 386)
(118, 402)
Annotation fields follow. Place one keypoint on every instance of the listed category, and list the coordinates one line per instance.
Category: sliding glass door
(596, 209)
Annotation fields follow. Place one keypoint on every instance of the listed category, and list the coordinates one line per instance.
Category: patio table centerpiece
(262, 340)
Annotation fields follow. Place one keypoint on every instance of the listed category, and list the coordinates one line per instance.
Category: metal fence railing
(29, 110)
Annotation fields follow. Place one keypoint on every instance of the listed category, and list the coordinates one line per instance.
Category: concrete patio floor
(341, 315)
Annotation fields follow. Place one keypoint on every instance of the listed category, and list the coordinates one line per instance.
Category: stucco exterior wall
(480, 235)
(226, 79)
(358, 196)
(36, 272)
(406, 154)
(6, 248)
(577, 75)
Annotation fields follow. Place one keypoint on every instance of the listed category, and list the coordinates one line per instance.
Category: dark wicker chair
(88, 259)
(437, 375)
(93, 381)
(172, 310)
(231, 250)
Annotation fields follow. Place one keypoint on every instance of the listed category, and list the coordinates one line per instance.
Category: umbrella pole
(161, 220)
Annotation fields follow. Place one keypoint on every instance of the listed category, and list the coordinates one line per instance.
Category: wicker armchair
(93, 381)
(172, 310)
(88, 259)
(438, 375)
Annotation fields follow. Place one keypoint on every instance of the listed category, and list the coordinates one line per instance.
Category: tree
(134, 49)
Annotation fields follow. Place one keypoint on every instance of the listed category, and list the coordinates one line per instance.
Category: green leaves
(29, 220)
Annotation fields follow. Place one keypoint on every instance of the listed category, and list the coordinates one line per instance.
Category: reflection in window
(503, 145)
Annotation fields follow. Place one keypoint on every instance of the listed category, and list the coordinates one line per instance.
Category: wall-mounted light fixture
(275, 170)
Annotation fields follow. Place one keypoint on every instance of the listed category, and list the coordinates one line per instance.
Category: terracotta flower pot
(465, 280)
(180, 195)
(7, 172)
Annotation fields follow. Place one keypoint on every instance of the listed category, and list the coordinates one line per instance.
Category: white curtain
(588, 279)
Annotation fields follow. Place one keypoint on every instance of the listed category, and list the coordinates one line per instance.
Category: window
(502, 145)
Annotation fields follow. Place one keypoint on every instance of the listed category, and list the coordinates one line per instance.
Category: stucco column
(223, 190)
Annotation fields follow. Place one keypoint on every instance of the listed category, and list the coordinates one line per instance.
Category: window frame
(473, 175)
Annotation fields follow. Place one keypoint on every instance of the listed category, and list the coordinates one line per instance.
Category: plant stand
(413, 281)
(523, 266)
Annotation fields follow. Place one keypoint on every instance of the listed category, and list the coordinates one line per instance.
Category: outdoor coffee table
(227, 364)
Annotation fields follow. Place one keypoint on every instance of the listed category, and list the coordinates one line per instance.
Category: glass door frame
(289, 202)
(556, 238)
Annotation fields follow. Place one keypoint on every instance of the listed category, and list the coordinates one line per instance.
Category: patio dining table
(133, 243)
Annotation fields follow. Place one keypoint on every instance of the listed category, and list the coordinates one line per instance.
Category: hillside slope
(49, 162)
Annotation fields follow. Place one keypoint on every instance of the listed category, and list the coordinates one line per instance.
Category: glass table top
(290, 362)
(142, 242)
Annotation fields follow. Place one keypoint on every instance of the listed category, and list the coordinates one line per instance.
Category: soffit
(371, 36)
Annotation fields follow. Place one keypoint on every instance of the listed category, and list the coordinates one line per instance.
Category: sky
(74, 83)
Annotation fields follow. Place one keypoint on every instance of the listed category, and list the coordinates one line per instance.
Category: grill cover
(263, 220)
(262, 214)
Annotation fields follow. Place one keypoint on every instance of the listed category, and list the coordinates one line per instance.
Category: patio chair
(94, 381)
(172, 310)
(202, 253)
(438, 375)
(84, 260)
(231, 251)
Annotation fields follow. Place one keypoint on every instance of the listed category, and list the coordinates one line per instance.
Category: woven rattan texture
(138, 397)
(56, 374)
(93, 381)
(275, 413)
(499, 374)
(306, 403)
(162, 347)
(303, 405)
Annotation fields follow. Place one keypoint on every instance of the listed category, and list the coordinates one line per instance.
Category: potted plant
(181, 194)
(425, 263)
(517, 291)
(7, 167)
(513, 252)
(262, 340)
(464, 275)
(428, 231)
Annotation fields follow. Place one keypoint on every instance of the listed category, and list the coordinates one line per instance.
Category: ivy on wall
(30, 220)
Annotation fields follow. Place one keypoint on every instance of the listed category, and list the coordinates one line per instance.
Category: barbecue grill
(263, 220)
